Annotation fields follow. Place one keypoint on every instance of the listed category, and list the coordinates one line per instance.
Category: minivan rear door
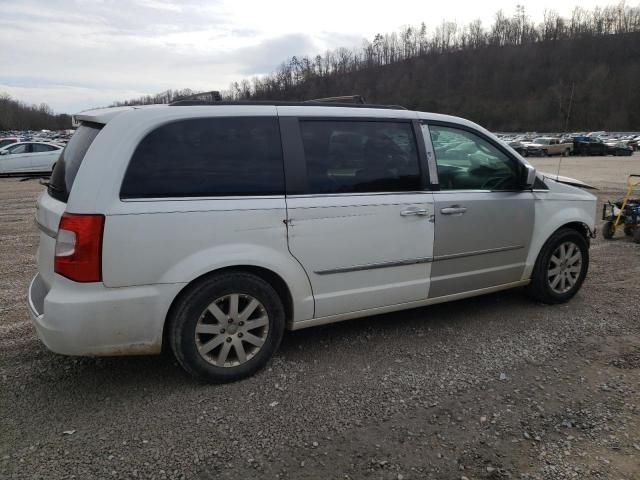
(53, 202)
(359, 220)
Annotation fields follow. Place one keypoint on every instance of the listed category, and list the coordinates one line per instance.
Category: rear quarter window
(66, 169)
(222, 156)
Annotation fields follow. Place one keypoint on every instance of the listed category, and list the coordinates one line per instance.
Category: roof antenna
(566, 125)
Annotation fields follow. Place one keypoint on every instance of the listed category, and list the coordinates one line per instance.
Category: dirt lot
(491, 387)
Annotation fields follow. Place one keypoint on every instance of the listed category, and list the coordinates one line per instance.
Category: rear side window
(66, 169)
(41, 147)
(208, 157)
(360, 156)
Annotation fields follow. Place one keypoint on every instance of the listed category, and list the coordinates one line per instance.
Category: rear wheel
(561, 267)
(608, 229)
(629, 230)
(227, 327)
(636, 235)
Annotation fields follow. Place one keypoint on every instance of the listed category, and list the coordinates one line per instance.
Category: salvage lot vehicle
(585, 145)
(618, 148)
(212, 228)
(547, 146)
(28, 157)
(4, 141)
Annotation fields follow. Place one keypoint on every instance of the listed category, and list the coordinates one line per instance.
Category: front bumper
(91, 319)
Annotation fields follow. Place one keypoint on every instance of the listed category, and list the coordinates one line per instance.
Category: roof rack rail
(353, 101)
(209, 97)
(357, 99)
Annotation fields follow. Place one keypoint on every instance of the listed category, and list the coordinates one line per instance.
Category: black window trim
(509, 155)
(295, 166)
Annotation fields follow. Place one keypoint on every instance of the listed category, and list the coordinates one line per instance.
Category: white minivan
(211, 228)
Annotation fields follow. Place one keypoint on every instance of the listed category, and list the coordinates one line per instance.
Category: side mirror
(528, 177)
(3, 152)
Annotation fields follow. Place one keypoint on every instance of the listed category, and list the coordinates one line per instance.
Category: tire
(629, 230)
(636, 235)
(195, 310)
(571, 274)
(608, 229)
(565, 153)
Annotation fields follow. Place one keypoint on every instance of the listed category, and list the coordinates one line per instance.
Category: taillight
(79, 247)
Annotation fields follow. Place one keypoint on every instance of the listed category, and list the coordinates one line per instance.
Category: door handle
(414, 211)
(453, 210)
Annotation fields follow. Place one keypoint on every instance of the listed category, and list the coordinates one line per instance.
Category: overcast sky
(77, 54)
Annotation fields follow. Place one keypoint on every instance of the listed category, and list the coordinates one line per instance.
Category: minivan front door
(483, 222)
(362, 229)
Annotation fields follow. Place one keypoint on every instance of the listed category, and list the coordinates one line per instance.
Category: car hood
(567, 181)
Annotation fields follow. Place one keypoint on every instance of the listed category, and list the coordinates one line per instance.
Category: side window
(360, 156)
(468, 162)
(41, 147)
(21, 148)
(208, 157)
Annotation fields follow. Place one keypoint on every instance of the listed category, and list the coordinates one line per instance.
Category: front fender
(552, 214)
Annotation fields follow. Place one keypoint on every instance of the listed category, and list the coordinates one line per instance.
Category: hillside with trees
(17, 115)
(571, 73)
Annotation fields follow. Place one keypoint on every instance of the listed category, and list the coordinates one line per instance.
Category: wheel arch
(269, 276)
(574, 218)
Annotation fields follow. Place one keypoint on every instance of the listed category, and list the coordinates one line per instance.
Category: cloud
(75, 54)
(267, 55)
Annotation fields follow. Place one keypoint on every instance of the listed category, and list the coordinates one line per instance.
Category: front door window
(468, 162)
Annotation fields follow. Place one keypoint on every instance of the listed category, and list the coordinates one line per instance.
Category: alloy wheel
(564, 267)
(232, 330)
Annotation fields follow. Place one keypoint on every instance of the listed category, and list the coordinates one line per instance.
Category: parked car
(212, 228)
(589, 146)
(28, 157)
(633, 142)
(547, 146)
(519, 147)
(618, 148)
(8, 141)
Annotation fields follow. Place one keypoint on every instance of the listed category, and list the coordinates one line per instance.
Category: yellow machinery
(624, 213)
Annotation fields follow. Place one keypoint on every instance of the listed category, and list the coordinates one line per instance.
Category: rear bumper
(91, 319)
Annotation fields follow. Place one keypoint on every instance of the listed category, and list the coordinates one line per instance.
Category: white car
(29, 157)
(210, 229)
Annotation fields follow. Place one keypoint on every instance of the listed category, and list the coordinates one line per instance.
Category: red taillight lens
(79, 247)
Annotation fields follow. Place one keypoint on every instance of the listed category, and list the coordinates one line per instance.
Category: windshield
(70, 159)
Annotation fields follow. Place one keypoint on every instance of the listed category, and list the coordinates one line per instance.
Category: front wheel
(561, 267)
(227, 327)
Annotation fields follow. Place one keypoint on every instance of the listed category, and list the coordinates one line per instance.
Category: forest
(576, 73)
(17, 115)
(573, 73)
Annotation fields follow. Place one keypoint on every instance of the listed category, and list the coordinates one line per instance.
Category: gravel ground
(492, 387)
